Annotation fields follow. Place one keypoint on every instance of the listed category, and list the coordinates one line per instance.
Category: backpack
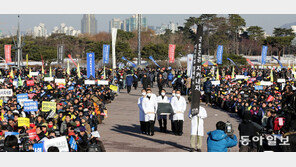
(278, 123)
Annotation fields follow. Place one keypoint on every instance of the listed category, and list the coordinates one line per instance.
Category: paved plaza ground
(120, 132)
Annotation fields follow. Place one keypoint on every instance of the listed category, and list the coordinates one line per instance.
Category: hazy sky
(8, 23)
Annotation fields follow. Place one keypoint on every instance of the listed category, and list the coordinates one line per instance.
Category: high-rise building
(132, 23)
(63, 29)
(40, 30)
(89, 24)
(115, 23)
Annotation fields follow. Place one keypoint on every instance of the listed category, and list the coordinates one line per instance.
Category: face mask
(162, 93)
(143, 93)
(173, 94)
(149, 94)
(178, 95)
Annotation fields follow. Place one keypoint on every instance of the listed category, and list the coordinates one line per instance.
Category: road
(120, 132)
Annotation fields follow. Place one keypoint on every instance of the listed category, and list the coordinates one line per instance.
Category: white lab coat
(198, 129)
(141, 112)
(179, 107)
(149, 107)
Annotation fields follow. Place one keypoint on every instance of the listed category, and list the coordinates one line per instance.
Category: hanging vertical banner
(263, 54)
(7, 51)
(60, 54)
(189, 65)
(196, 72)
(114, 34)
(172, 53)
(106, 50)
(219, 54)
(91, 65)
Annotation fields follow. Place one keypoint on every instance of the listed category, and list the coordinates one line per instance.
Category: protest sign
(270, 98)
(240, 77)
(5, 92)
(32, 134)
(60, 81)
(48, 79)
(34, 73)
(60, 142)
(22, 101)
(281, 80)
(73, 143)
(103, 82)
(30, 83)
(71, 88)
(23, 122)
(258, 87)
(31, 95)
(21, 97)
(38, 147)
(266, 83)
(30, 106)
(89, 82)
(215, 82)
(95, 134)
(47, 106)
(114, 88)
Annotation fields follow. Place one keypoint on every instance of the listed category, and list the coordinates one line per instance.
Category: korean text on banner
(60, 142)
(5, 92)
(21, 96)
(263, 54)
(219, 54)
(23, 122)
(47, 106)
(106, 51)
(30, 106)
(7, 52)
(172, 53)
(103, 82)
(91, 65)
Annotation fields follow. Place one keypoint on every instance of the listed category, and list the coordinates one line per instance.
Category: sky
(8, 22)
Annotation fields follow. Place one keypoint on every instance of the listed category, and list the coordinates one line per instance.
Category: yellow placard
(1, 102)
(23, 122)
(114, 88)
(47, 106)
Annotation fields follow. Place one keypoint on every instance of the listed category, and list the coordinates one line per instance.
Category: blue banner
(73, 143)
(259, 87)
(38, 147)
(91, 65)
(263, 54)
(30, 106)
(151, 58)
(106, 51)
(231, 61)
(21, 96)
(133, 64)
(278, 62)
(219, 54)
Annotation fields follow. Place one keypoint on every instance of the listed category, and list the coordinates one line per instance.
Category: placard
(34, 73)
(30, 83)
(23, 122)
(60, 81)
(215, 82)
(48, 105)
(89, 82)
(60, 142)
(30, 106)
(48, 79)
(259, 87)
(266, 83)
(6, 92)
(240, 77)
(114, 88)
(103, 82)
(281, 80)
(21, 97)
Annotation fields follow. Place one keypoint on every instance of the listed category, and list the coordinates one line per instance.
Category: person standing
(162, 119)
(208, 89)
(149, 106)
(141, 113)
(197, 129)
(179, 107)
(160, 83)
(129, 82)
(145, 81)
(171, 116)
(135, 81)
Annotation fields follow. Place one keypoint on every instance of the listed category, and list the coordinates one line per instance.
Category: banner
(151, 58)
(73, 143)
(38, 147)
(91, 65)
(48, 79)
(219, 54)
(106, 50)
(21, 96)
(47, 106)
(114, 88)
(278, 62)
(23, 122)
(70, 57)
(30, 83)
(89, 82)
(60, 54)
(215, 82)
(30, 106)
(172, 53)
(7, 52)
(196, 72)
(266, 83)
(6, 92)
(59, 81)
(258, 87)
(133, 64)
(281, 80)
(60, 142)
(263, 54)
(34, 73)
(114, 34)
(189, 65)
(103, 82)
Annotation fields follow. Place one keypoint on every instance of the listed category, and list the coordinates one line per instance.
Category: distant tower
(89, 24)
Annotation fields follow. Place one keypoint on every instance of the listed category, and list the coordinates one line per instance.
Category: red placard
(172, 53)
(30, 83)
(7, 51)
(270, 98)
(32, 134)
(31, 95)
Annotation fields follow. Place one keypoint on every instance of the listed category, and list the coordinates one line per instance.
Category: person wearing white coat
(141, 113)
(149, 106)
(197, 129)
(171, 116)
(162, 119)
(179, 106)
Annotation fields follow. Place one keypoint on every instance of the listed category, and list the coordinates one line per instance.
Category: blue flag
(219, 54)
(91, 65)
(38, 147)
(151, 58)
(73, 143)
(231, 61)
(278, 62)
(133, 64)
(106, 51)
(263, 54)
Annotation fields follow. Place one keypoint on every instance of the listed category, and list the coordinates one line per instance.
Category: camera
(228, 128)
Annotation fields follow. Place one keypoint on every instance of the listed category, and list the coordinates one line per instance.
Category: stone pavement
(120, 132)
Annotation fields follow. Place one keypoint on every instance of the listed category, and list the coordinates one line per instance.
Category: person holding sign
(162, 119)
(149, 106)
(179, 106)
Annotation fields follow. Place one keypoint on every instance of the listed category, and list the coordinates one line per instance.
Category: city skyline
(8, 22)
